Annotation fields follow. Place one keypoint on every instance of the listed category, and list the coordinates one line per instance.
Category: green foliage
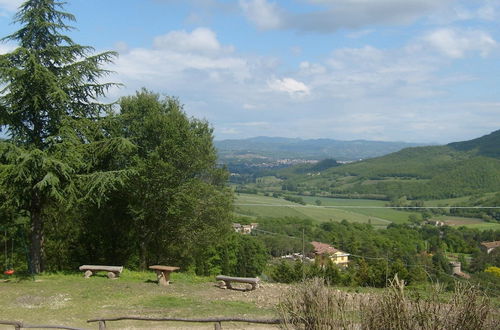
(485, 146)
(50, 89)
(493, 270)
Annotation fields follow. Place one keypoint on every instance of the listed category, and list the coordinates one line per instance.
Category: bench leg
(112, 275)
(163, 278)
(88, 273)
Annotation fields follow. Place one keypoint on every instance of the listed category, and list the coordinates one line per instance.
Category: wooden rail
(216, 320)
(20, 325)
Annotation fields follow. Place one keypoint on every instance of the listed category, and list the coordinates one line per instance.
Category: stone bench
(225, 281)
(163, 273)
(113, 271)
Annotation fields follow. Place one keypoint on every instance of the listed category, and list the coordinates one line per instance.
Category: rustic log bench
(113, 271)
(163, 273)
(226, 281)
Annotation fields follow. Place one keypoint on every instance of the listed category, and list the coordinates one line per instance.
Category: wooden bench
(113, 271)
(163, 273)
(225, 281)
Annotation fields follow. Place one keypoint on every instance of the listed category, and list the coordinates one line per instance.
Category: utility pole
(386, 267)
(303, 256)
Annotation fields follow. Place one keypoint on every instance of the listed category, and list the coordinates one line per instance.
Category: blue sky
(405, 70)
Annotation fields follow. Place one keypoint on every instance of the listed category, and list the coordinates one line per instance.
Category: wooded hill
(432, 172)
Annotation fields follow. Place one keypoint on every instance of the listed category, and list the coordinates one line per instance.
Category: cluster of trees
(415, 253)
(131, 183)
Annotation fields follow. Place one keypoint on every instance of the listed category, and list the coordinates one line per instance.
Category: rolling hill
(431, 172)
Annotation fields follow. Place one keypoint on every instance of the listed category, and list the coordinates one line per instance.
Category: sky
(387, 70)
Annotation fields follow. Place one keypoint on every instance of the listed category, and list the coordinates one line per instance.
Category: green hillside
(488, 145)
(433, 172)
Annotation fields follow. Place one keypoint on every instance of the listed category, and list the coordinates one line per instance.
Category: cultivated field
(353, 210)
(336, 209)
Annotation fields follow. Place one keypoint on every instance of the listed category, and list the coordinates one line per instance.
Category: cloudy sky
(405, 70)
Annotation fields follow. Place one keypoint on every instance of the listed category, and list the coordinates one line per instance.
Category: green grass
(69, 299)
(254, 205)
(337, 209)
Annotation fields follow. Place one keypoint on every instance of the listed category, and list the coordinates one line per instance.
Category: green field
(353, 210)
(337, 209)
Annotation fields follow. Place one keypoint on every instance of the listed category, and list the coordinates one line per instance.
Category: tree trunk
(36, 246)
(143, 254)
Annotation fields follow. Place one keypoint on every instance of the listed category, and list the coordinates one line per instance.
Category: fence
(217, 321)
(20, 325)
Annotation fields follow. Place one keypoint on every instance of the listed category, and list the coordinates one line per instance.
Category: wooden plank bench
(163, 273)
(225, 281)
(113, 271)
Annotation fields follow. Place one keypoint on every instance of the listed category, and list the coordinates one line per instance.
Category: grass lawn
(71, 300)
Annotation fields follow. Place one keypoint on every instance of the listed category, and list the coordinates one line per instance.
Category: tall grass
(314, 305)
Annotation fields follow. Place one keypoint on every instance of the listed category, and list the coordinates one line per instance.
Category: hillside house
(490, 246)
(244, 229)
(323, 250)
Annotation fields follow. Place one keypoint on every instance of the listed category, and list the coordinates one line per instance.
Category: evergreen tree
(49, 99)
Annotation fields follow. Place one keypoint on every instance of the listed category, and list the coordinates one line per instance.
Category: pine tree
(51, 88)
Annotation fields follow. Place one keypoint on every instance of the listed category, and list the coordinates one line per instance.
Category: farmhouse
(244, 229)
(323, 250)
(490, 246)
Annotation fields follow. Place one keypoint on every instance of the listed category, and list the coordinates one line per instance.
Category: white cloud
(229, 131)
(289, 85)
(265, 15)
(200, 40)
(458, 43)
(248, 106)
(252, 124)
(331, 15)
(179, 56)
(351, 93)
(6, 48)
(487, 12)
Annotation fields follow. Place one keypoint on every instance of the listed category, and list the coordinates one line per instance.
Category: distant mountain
(430, 172)
(274, 148)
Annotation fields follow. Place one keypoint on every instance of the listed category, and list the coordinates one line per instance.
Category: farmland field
(337, 209)
(353, 210)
